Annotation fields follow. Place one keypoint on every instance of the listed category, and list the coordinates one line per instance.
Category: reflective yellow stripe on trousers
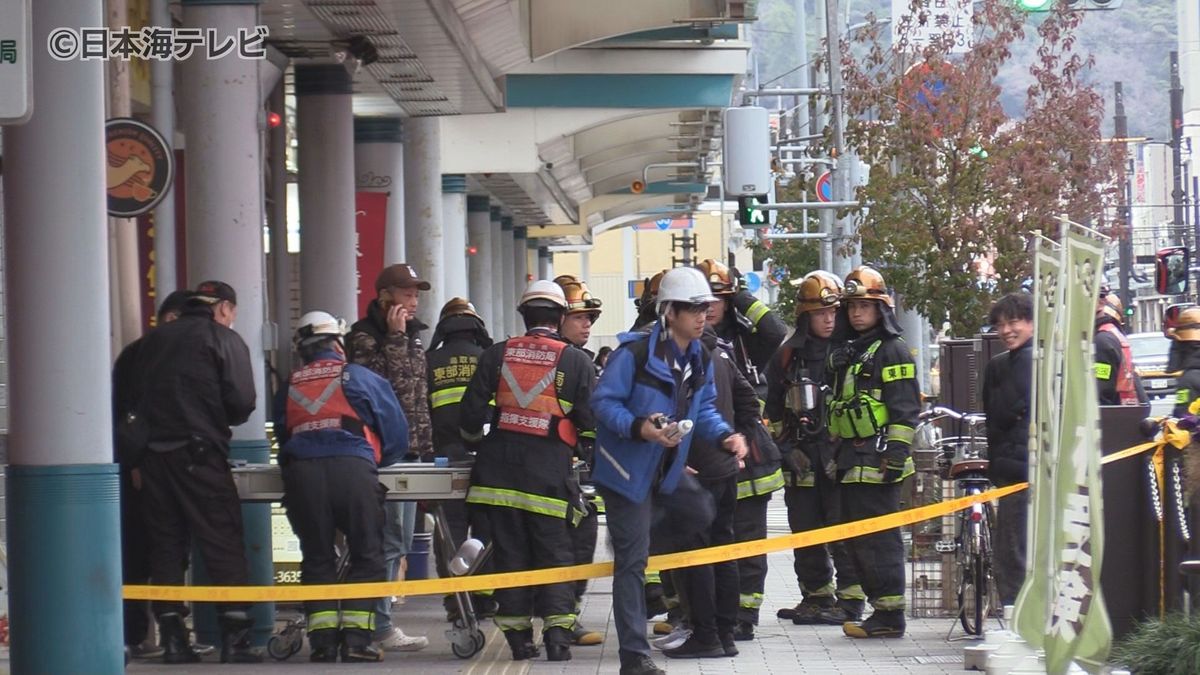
(515, 499)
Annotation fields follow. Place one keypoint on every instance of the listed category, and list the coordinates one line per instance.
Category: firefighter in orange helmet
(743, 321)
(873, 416)
(797, 392)
(582, 311)
(521, 496)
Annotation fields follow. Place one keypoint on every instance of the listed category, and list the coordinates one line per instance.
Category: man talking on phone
(387, 341)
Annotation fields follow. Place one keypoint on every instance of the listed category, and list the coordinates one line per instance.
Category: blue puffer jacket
(626, 395)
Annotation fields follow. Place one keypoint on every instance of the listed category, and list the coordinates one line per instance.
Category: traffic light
(748, 213)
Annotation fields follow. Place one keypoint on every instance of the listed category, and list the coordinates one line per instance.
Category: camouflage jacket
(400, 359)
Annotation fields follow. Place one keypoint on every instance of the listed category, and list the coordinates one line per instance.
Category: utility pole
(1177, 193)
(1125, 245)
(840, 175)
(684, 243)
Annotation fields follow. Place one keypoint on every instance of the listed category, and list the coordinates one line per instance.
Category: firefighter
(1117, 382)
(458, 339)
(873, 413)
(340, 423)
(646, 304)
(1186, 335)
(521, 494)
(797, 392)
(582, 312)
(744, 321)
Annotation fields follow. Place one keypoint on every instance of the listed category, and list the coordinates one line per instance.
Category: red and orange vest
(527, 398)
(1125, 383)
(316, 401)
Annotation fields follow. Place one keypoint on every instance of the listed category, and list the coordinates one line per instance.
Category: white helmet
(684, 284)
(543, 293)
(317, 326)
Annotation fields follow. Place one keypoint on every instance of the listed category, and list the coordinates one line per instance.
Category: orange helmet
(1171, 316)
(818, 290)
(456, 307)
(1110, 305)
(720, 279)
(579, 298)
(1187, 329)
(866, 283)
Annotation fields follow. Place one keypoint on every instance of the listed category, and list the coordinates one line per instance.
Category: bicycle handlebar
(938, 411)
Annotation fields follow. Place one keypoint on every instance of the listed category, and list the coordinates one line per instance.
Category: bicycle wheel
(972, 585)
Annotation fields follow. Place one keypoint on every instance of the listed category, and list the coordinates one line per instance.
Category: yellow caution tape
(482, 582)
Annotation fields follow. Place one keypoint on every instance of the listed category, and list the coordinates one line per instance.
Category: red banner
(370, 224)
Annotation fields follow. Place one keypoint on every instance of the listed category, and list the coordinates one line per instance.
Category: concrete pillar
(423, 210)
(585, 265)
(454, 233)
(520, 273)
(162, 82)
(479, 236)
(629, 270)
(500, 263)
(545, 263)
(379, 167)
(221, 113)
(512, 320)
(64, 562)
(325, 128)
(281, 260)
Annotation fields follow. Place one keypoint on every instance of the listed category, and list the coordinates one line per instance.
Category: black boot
(558, 644)
(177, 647)
(521, 644)
(883, 623)
(235, 638)
(809, 611)
(843, 611)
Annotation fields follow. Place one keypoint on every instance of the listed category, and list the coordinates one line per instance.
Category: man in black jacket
(1007, 385)
(194, 383)
(1185, 351)
(135, 562)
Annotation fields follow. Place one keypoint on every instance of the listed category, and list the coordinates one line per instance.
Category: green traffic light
(1035, 5)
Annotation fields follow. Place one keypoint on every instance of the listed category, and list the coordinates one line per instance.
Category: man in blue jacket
(341, 422)
(651, 384)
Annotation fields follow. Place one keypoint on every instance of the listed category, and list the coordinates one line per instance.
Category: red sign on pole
(370, 224)
(824, 188)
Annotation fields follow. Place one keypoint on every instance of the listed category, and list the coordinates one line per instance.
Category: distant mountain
(1130, 44)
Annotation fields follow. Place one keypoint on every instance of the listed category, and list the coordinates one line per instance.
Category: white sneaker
(396, 641)
(676, 638)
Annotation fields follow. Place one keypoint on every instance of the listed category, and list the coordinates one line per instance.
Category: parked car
(1150, 361)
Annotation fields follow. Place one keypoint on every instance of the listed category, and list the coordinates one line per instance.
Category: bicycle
(962, 459)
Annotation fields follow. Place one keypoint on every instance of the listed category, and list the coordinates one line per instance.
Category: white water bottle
(465, 557)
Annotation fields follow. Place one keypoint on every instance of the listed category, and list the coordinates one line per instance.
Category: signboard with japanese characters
(16, 62)
(917, 24)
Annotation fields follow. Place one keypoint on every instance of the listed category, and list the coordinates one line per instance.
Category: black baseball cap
(212, 292)
(174, 302)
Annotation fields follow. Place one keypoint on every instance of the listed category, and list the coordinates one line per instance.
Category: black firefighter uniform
(521, 496)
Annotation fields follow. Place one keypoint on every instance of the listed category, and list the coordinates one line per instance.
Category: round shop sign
(140, 167)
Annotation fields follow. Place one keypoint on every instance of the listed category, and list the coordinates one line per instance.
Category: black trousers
(323, 496)
(811, 508)
(135, 561)
(522, 540)
(712, 590)
(189, 493)
(879, 557)
(1008, 545)
(750, 523)
(583, 546)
